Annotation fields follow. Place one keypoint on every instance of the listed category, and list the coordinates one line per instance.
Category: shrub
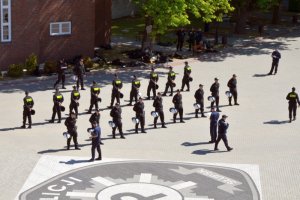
(50, 67)
(88, 63)
(31, 63)
(15, 70)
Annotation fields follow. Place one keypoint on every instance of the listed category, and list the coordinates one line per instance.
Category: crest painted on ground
(146, 180)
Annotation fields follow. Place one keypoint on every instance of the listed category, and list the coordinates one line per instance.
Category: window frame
(60, 32)
(4, 24)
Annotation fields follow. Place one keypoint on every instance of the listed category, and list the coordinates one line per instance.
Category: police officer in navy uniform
(96, 140)
(214, 117)
(222, 133)
(62, 66)
(28, 104)
(276, 57)
(140, 115)
(75, 96)
(117, 86)
(152, 83)
(180, 39)
(170, 83)
(58, 99)
(95, 91)
(70, 123)
(79, 71)
(177, 100)
(158, 105)
(135, 86)
(215, 93)
(232, 84)
(186, 76)
(293, 99)
(116, 113)
(199, 96)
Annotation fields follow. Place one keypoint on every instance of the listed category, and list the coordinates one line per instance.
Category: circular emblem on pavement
(145, 180)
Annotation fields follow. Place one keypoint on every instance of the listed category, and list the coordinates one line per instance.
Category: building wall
(103, 12)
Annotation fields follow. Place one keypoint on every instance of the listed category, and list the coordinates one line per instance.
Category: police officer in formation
(95, 91)
(58, 99)
(171, 81)
(75, 96)
(62, 66)
(116, 113)
(293, 99)
(79, 71)
(177, 100)
(135, 86)
(158, 105)
(215, 93)
(186, 76)
(140, 115)
(72, 130)
(96, 141)
(232, 84)
(222, 133)
(152, 83)
(214, 117)
(95, 117)
(276, 57)
(199, 96)
(117, 86)
(27, 107)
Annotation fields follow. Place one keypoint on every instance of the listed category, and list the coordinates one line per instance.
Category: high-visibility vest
(96, 89)
(76, 94)
(59, 96)
(118, 82)
(154, 75)
(29, 100)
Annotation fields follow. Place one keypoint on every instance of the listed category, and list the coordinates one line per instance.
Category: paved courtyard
(264, 164)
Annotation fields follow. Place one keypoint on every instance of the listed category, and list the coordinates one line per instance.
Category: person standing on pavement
(116, 113)
(61, 67)
(58, 99)
(96, 141)
(276, 56)
(232, 84)
(139, 109)
(28, 104)
(191, 39)
(79, 71)
(199, 96)
(214, 117)
(135, 86)
(177, 100)
(152, 83)
(117, 86)
(70, 123)
(180, 39)
(293, 99)
(158, 105)
(222, 133)
(75, 96)
(186, 76)
(171, 81)
(215, 93)
(95, 117)
(95, 91)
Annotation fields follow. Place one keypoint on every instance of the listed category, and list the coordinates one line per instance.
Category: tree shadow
(277, 122)
(190, 144)
(206, 151)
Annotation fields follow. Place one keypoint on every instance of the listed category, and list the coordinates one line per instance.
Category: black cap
(170, 67)
(186, 62)
(216, 79)
(234, 75)
(26, 92)
(200, 85)
(74, 87)
(224, 116)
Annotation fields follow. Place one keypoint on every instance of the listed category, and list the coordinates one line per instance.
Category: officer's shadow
(277, 122)
(72, 162)
(206, 151)
(260, 75)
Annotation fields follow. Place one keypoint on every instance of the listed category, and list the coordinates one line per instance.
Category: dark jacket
(199, 95)
(158, 103)
(61, 67)
(180, 35)
(115, 113)
(139, 108)
(171, 76)
(276, 56)
(58, 98)
(95, 91)
(187, 72)
(214, 117)
(215, 89)
(177, 100)
(70, 124)
(222, 126)
(95, 118)
(293, 98)
(153, 78)
(232, 84)
(135, 84)
(79, 69)
(75, 96)
(117, 84)
(28, 102)
(96, 135)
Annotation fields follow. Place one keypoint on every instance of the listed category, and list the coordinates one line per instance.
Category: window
(5, 20)
(60, 28)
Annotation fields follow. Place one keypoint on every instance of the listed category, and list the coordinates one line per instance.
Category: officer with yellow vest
(58, 99)
(28, 104)
(186, 76)
(170, 83)
(95, 91)
(75, 96)
(135, 86)
(152, 84)
(117, 85)
(293, 99)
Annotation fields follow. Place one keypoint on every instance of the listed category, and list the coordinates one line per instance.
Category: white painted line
(81, 194)
(51, 194)
(103, 181)
(183, 185)
(198, 198)
(145, 178)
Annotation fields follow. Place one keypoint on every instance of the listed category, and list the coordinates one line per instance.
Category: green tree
(273, 5)
(160, 15)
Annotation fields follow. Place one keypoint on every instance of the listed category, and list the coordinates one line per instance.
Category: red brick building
(52, 29)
